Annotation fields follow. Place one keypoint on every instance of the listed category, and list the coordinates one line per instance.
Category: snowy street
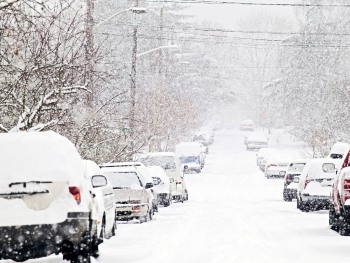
(234, 214)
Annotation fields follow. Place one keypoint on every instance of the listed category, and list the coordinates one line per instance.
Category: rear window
(123, 180)
(296, 167)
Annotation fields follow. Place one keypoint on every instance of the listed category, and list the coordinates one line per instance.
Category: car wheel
(186, 196)
(87, 247)
(343, 228)
(332, 218)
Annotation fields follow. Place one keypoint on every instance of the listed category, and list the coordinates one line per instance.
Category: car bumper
(24, 242)
(131, 211)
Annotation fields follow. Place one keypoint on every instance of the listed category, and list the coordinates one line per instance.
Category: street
(234, 214)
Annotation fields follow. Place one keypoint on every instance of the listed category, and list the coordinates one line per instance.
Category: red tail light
(178, 182)
(288, 178)
(347, 184)
(136, 207)
(75, 192)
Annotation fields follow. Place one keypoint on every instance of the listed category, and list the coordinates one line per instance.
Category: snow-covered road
(234, 214)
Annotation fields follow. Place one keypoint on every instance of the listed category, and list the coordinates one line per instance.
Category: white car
(171, 164)
(161, 185)
(263, 154)
(144, 176)
(339, 150)
(130, 194)
(103, 199)
(45, 199)
(276, 167)
(256, 141)
(315, 184)
(246, 125)
(191, 149)
(291, 179)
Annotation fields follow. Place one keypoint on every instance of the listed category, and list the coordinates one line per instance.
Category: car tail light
(75, 192)
(178, 182)
(136, 207)
(347, 184)
(288, 178)
(306, 183)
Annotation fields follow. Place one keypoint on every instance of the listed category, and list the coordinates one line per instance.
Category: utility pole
(133, 82)
(89, 50)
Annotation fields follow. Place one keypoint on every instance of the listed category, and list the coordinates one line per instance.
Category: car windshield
(296, 167)
(166, 162)
(189, 159)
(123, 180)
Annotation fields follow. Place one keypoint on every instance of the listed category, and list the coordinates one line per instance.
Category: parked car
(171, 164)
(263, 154)
(339, 150)
(256, 141)
(144, 176)
(45, 200)
(130, 194)
(315, 184)
(161, 184)
(246, 125)
(184, 149)
(339, 209)
(276, 167)
(291, 179)
(104, 199)
(191, 163)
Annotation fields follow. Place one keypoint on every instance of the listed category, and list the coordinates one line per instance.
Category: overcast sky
(228, 15)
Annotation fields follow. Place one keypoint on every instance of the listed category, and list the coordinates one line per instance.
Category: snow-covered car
(339, 209)
(45, 200)
(246, 125)
(191, 149)
(130, 194)
(262, 155)
(339, 150)
(191, 163)
(276, 167)
(256, 141)
(171, 164)
(161, 185)
(291, 179)
(144, 176)
(103, 199)
(315, 184)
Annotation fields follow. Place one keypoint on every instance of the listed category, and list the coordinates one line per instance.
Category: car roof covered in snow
(157, 171)
(39, 156)
(91, 168)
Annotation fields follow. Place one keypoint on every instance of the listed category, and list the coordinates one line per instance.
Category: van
(170, 162)
(45, 201)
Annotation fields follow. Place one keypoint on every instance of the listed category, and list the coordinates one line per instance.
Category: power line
(244, 3)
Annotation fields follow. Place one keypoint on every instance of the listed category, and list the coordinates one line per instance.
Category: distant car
(339, 150)
(191, 149)
(191, 163)
(263, 154)
(144, 176)
(130, 195)
(256, 141)
(291, 179)
(171, 164)
(246, 125)
(45, 200)
(161, 184)
(104, 199)
(315, 184)
(276, 167)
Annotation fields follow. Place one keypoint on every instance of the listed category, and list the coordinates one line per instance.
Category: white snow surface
(234, 214)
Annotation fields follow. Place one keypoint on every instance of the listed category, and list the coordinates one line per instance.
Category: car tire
(186, 196)
(333, 219)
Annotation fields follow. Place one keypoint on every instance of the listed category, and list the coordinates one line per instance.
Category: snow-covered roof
(91, 168)
(340, 148)
(39, 156)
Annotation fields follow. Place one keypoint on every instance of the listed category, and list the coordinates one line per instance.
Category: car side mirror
(98, 181)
